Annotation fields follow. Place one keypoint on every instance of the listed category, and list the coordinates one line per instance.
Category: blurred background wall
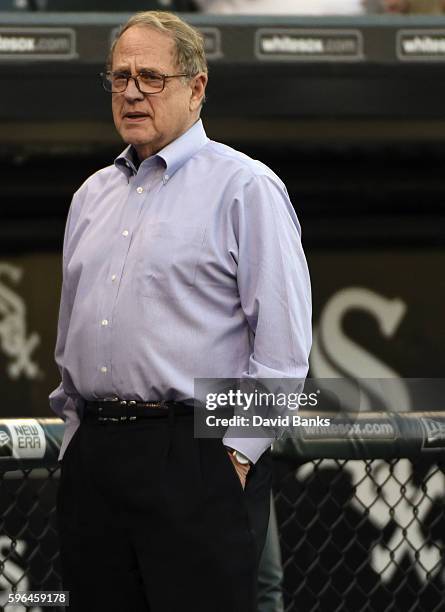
(348, 110)
(345, 101)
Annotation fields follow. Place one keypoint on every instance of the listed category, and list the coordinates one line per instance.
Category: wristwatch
(239, 457)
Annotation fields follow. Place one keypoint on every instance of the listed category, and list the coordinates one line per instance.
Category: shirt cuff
(252, 448)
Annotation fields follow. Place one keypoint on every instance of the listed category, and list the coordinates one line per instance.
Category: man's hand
(241, 469)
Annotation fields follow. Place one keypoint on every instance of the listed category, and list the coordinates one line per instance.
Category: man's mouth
(136, 116)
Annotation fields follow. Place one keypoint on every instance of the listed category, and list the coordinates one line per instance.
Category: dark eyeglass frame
(104, 78)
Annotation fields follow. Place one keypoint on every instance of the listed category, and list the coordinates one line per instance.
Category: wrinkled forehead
(145, 47)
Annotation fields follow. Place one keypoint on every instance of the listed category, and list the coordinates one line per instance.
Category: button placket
(129, 220)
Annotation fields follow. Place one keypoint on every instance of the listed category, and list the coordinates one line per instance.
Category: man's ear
(198, 86)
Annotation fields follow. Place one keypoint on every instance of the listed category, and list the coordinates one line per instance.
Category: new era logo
(5, 444)
(435, 433)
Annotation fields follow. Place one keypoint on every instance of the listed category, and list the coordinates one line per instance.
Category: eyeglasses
(147, 82)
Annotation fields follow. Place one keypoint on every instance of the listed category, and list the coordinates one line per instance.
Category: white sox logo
(334, 354)
(392, 487)
(378, 487)
(388, 494)
(13, 336)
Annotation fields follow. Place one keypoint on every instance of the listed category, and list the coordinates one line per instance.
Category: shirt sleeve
(66, 406)
(274, 288)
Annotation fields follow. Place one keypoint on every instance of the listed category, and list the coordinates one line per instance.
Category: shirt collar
(125, 162)
(174, 155)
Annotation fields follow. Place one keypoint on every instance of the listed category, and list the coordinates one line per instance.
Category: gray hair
(189, 42)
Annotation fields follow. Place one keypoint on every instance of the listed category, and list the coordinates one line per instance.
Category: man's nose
(132, 92)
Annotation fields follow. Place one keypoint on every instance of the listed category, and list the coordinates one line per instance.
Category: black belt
(118, 410)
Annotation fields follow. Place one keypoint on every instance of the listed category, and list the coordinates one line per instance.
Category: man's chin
(136, 133)
(136, 137)
(144, 147)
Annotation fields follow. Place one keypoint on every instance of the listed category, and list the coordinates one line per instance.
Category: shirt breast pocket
(169, 258)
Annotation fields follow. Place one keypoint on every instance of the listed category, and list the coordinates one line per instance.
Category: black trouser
(153, 519)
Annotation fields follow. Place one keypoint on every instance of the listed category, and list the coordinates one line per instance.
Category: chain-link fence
(356, 535)
(362, 535)
(29, 547)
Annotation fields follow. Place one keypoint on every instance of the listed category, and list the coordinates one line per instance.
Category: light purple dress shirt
(190, 266)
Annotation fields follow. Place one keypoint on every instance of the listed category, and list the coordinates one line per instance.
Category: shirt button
(104, 369)
(166, 177)
(104, 322)
(140, 190)
(125, 233)
(113, 278)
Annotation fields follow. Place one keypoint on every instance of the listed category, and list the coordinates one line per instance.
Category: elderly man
(181, 260)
